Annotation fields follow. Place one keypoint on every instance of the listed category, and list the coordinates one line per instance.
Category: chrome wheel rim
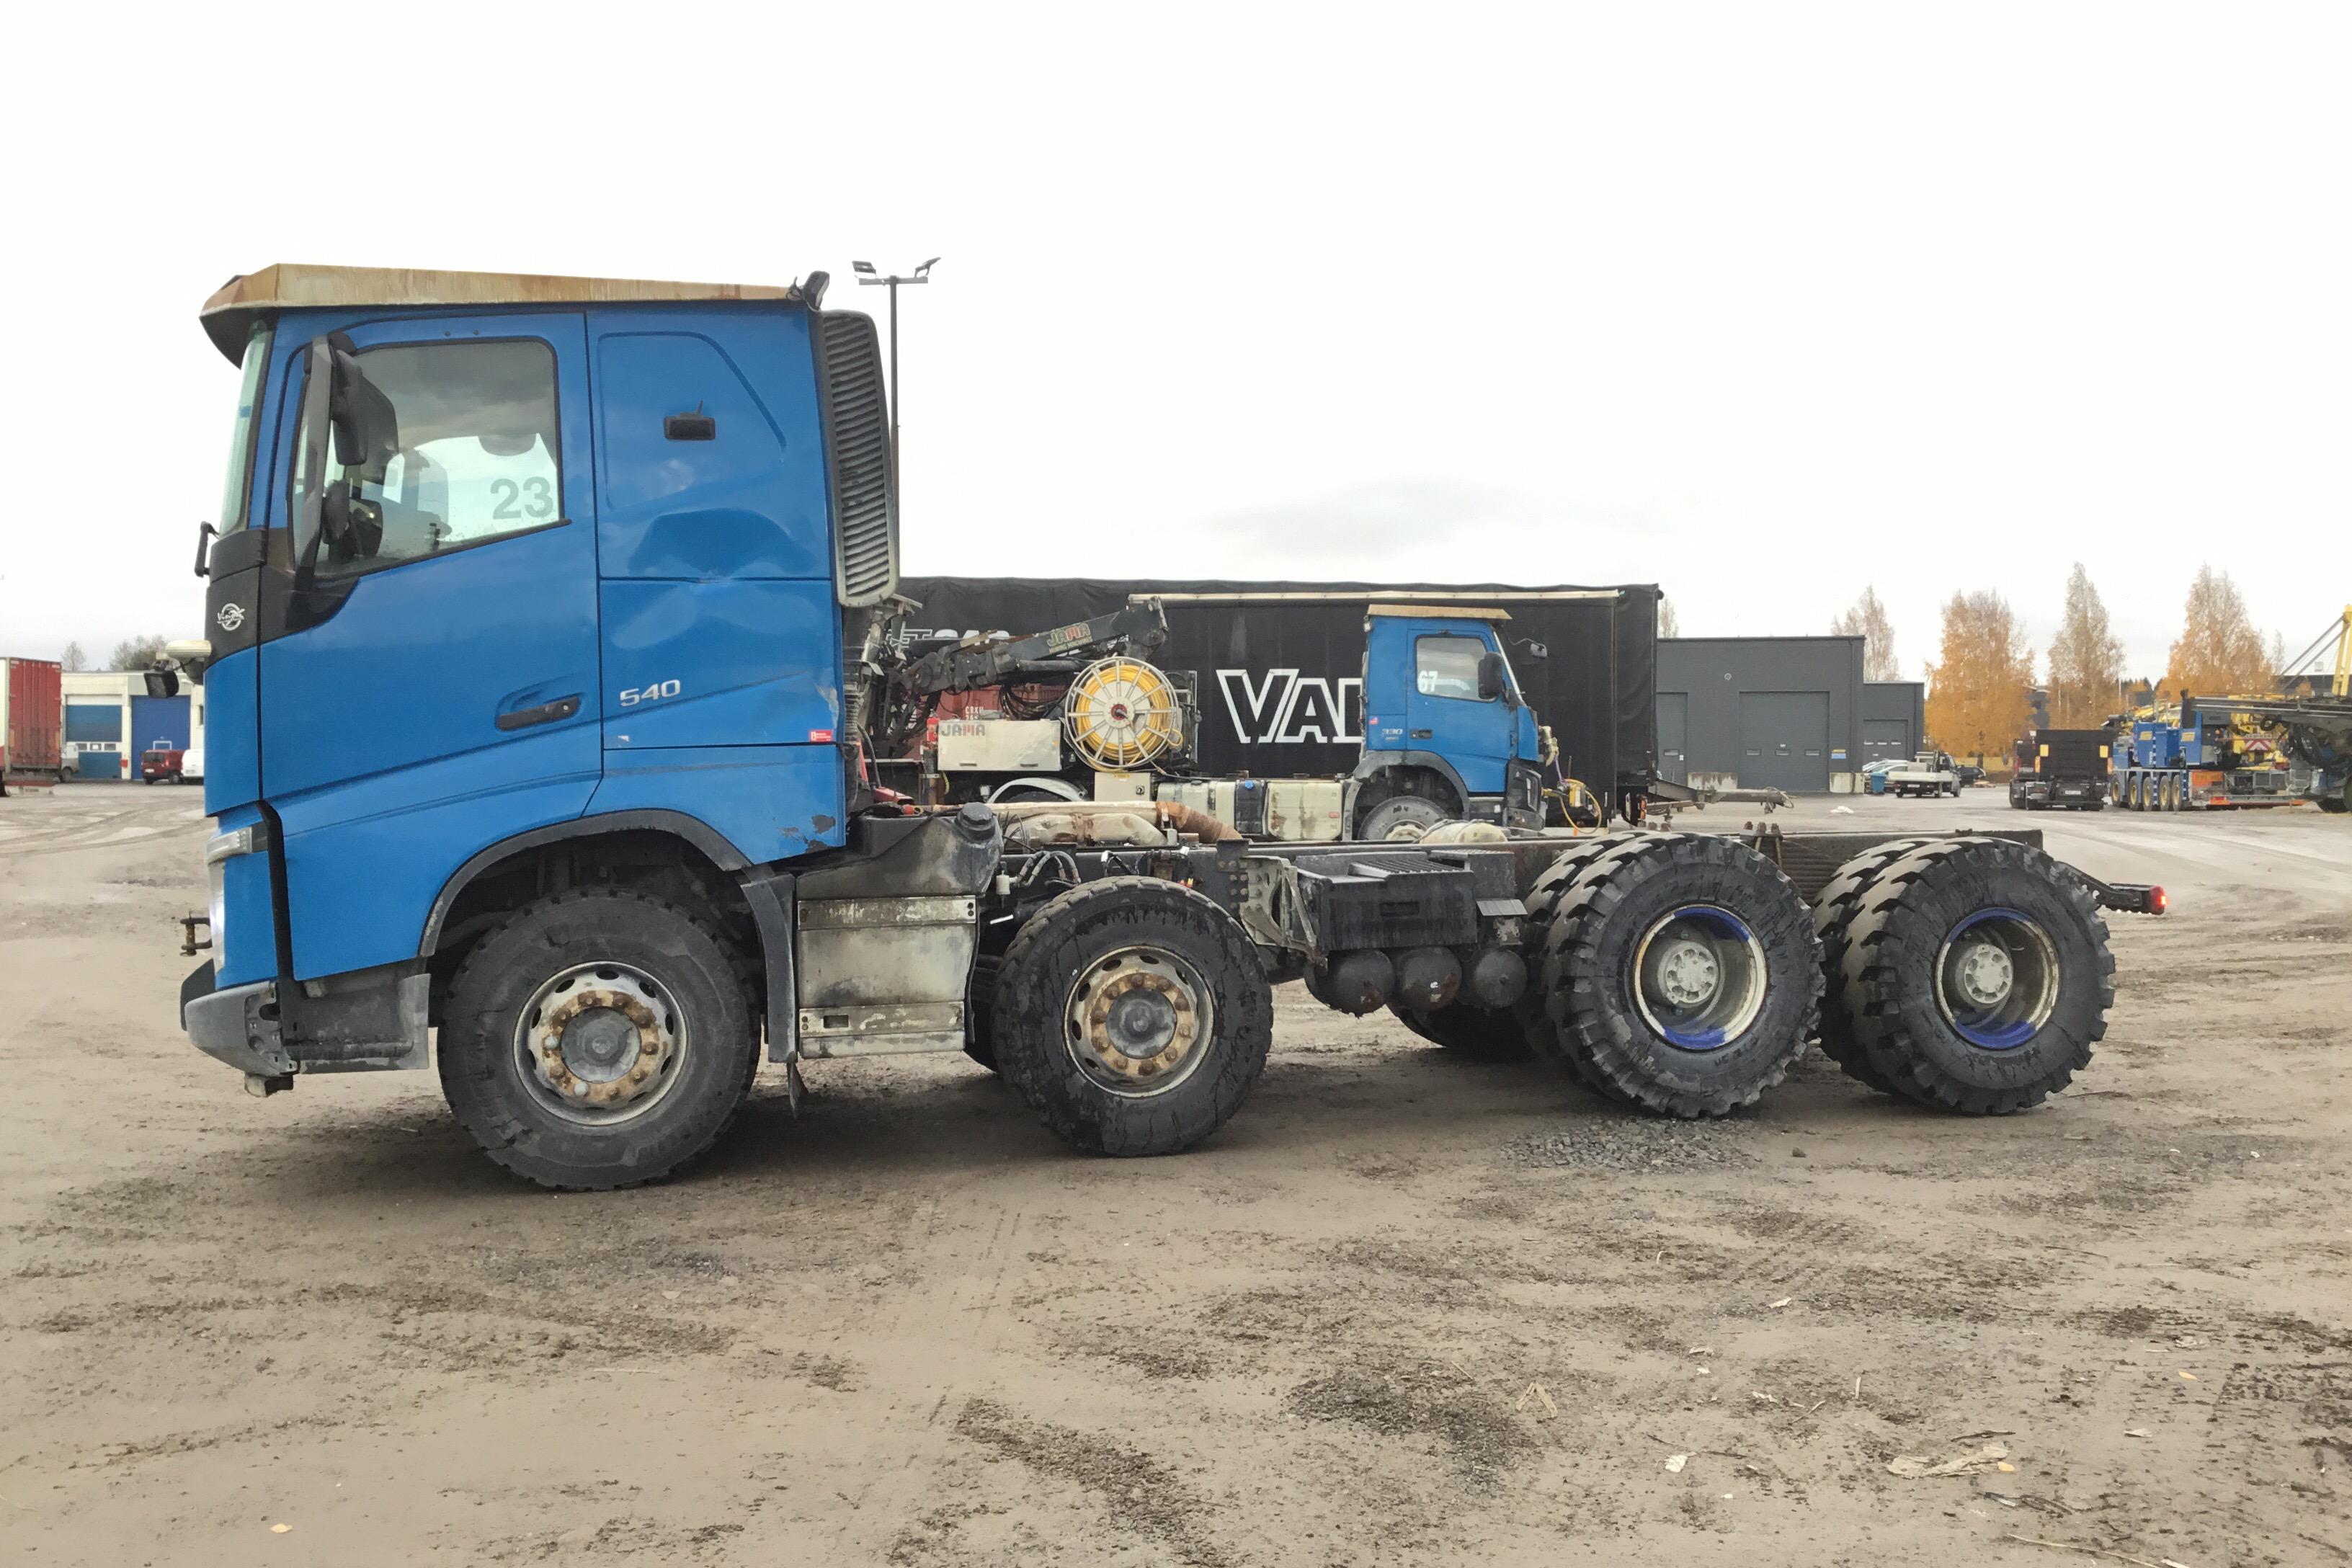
(1996, 979)
(600, 1043)
(1698, 977)
(1138, 1021)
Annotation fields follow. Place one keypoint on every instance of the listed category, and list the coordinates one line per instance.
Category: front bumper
(238, 1025)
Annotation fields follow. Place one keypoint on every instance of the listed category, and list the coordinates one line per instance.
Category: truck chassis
(605, 1032)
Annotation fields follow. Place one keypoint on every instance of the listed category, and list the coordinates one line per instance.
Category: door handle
(1420, 734)
(545, 713)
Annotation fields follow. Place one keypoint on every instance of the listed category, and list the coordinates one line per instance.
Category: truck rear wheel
(1133, 1015)
(1977, 975)
(597, 1039)
(1535, 1020)
(1682, 970)
(1841, 898)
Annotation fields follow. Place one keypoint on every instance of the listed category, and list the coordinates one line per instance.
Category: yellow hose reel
(1121, 714)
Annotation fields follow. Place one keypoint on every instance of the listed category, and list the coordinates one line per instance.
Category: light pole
(865, 274)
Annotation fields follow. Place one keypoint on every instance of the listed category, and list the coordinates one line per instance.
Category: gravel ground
(1404, 1308)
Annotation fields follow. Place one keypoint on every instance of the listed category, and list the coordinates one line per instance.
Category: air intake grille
(857, 449)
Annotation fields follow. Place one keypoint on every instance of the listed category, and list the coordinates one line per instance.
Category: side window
(1447, 667)
(476, 456)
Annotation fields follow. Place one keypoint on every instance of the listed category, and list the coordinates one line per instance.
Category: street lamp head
(925, 269)
(865, 268)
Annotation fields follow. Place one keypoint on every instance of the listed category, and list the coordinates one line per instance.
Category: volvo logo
(230, 617)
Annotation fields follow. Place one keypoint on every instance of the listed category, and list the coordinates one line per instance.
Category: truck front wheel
(1133, 1015)
(597, 1039)
(1405, 816)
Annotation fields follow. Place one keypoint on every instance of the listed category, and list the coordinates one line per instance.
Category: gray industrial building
(1893, 720)
(1770, 712)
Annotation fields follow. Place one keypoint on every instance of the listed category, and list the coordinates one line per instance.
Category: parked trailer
(32, 717)
(1081, 714)
(610, 891)
(1278, 666)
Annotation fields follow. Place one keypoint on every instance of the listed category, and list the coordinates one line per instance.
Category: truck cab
(506, 564)
(1447, 734)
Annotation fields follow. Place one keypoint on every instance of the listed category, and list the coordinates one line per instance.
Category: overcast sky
(1759, 303)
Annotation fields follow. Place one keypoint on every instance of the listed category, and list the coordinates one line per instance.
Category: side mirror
(1536, 651)
(1492, 681)
(367, 429)
(162, 683)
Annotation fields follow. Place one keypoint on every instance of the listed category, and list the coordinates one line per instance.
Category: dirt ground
(1405, 1309)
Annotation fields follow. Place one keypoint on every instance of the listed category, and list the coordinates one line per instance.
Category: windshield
(237, 490)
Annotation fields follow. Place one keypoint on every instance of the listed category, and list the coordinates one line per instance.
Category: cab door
(1421, 675)
(1446, 712)
(429, 678)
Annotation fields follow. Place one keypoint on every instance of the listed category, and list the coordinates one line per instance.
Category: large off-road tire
(1840, 898)
(1401, 817)
(1534, 1018)
(1133, 1015)
(1682, 970)
(1977, 975)
(1471, 1031)
(598, 1039)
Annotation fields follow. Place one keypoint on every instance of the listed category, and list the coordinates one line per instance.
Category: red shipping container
(32, 719)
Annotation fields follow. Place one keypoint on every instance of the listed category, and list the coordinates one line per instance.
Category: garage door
(159, 721)
(1784, 740)
(1886, 740)
(1674, 715)
(94, 721)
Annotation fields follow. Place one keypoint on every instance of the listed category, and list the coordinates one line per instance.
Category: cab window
(1447, 667)
(477, 453)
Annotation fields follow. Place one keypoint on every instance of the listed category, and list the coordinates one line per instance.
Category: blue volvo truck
(550, 624)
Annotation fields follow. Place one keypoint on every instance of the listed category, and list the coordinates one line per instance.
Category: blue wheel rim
(1997, 978)
(1698, 977)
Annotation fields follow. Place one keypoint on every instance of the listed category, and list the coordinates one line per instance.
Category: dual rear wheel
(1972, 974)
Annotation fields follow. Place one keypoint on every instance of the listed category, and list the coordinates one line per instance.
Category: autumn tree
(1867, 620)
(2218, 652)
(2086, 659)
(1980, 693)
(1669, 623)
